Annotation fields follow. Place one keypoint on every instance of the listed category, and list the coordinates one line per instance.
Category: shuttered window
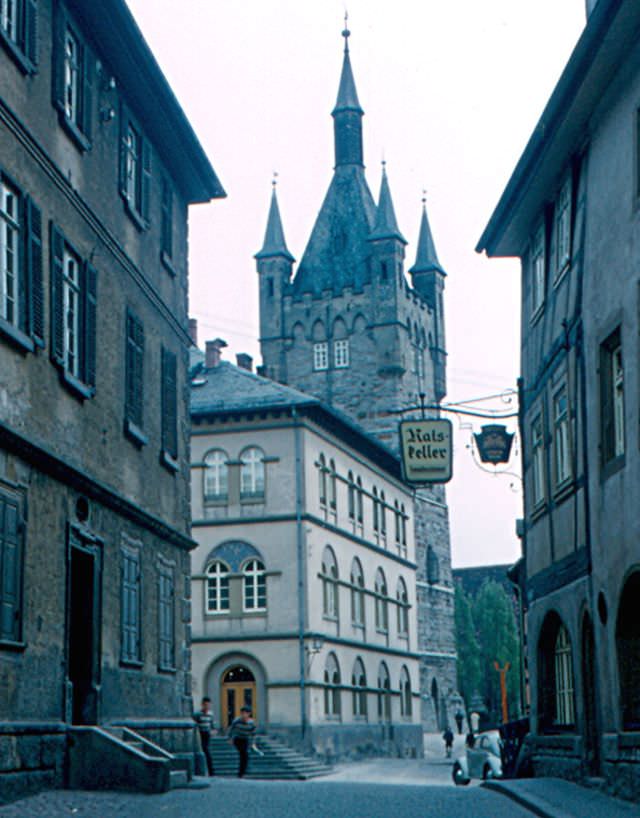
(10, 569)
(135, 169)
(18, 31)
(73, 315)
(134, 379)
(73, 70)
(166, 620)
(612, 444)
(169, 408)
(130, 614)
(21, 287)
(166, 225)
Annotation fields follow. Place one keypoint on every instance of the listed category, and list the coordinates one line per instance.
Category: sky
(451, 93)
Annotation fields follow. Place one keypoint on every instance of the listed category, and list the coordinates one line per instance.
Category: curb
(536, 805)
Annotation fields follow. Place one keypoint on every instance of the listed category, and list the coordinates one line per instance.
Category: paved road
(229, 798)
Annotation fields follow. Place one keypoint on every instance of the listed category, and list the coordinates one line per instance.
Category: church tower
(348, 328)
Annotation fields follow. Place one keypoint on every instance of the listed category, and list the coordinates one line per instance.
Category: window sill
(561, 274)
(169, 462)
(217, 501)
(134, 664)
(538, 510)
(168, 669)
(135, 434)
(77, 388)
(73, 132)
(136, 217)
(16, 337)
(564, 489)
(383, 631)
(8, 644)
(329, 618)
(249, 499)
(258, 612)
(17, 55)
(167, 263)
(615, 464)
(535, 315)
(216, 614)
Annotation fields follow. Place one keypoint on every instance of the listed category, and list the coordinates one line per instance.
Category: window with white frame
(10, 289)
(254, 586)
(376, 510)
(216, 476)
(320, 356)
(217, 587)
(72, 76)
(252, 479)
(397, 519)
(382, 602)
(341, 354)
(359, 689)
(333, 487)
(332, 703)
(351, 496)
(383, 515)
(403, 531)
(357, 594)
(538, 270)
(18, 30)
(563, 665)
(71, 305)
(612, 398)
(359, 501)
(329, 584)
(322, 479)
(384, 693)
(402, 600)
(563, 227)
(561, 435)
(135, 169)
(9, 18)
(537, 461)
(406, 707)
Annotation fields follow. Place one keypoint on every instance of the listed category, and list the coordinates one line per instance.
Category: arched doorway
(591, 743)
(238, 688)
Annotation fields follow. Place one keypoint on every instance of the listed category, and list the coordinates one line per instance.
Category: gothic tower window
(320, 356)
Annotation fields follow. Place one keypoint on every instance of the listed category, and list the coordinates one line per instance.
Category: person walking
(459, 717)
(204, 721)
(241, 732)
(448, 741)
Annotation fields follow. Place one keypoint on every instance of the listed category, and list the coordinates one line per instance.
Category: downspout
(301, 572)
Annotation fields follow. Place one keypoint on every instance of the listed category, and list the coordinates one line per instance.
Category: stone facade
(330, 665)
(86, 242)
(579, 406)
(349, 328)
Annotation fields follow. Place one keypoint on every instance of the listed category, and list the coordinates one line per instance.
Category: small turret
(347, 114)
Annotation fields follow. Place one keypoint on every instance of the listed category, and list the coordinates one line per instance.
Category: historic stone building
(97, 167)
(571, 213)
(304, 591)
(349, 328)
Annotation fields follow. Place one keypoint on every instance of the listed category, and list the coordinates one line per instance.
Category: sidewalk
(556, 798)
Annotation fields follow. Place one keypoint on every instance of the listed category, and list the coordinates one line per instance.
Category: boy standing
(204, 720)
(241, 732)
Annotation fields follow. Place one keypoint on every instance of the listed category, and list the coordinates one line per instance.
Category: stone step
(178, 778)
(274, 761)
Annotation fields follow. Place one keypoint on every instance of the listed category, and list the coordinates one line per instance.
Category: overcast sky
(451, 92)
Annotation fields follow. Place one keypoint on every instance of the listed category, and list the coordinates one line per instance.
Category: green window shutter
(169, 404)
(89, 298)
(122, 174)
(57, 299)
(31, 31)
(35, 286)
(59, 29)
(10, 565)
(130, 614)
(145, 194)
(86, 111)
(134, 377)
(167, 218)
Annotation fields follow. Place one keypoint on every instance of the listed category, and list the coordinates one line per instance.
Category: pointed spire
(347, 114)
(386, 226)
(274, 243)
(426, 256)
(347, 94)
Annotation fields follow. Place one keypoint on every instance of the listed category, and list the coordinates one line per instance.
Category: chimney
(244, 361)
(193, 331)
(213, 352)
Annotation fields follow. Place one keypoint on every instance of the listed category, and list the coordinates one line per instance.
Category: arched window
(252, 473)
(406, 708)
(332, 687)
(556, 707)
(216, 476)
(217, 587)
(329, 584)
(433, 566)
(382, 604)
(376, 523)
(383, 515)
(359, 499)
(351, 496)
(359, 691)
(357, 594)
(628, 646)
(384, 693)
(403, 608)
(254, 586)
(322, 479)
(333, 479)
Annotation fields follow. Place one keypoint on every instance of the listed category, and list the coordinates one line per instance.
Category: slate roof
(386, 225)
(274, 242)
(426, 256)
(347, 95)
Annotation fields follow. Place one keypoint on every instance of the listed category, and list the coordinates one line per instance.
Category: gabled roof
(337, 252)
(426, 256)
(386, 225)
(274, 243)
(116, 36)
(612, 30)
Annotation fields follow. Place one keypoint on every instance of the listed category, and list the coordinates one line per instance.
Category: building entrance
(83, 639)
(238, 689)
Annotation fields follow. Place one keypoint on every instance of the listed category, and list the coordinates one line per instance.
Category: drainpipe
(301, 573)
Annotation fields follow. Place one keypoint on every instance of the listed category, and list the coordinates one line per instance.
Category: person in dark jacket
(204, 721)
(448, 741)
(241, 732)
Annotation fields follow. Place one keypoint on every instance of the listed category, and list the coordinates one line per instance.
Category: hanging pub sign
(426, 447)
(494, 444)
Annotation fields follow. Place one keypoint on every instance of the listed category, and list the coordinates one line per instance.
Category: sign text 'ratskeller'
(427, 448)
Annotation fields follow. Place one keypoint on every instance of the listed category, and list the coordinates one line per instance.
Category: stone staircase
(119, 758)
(276, 762)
